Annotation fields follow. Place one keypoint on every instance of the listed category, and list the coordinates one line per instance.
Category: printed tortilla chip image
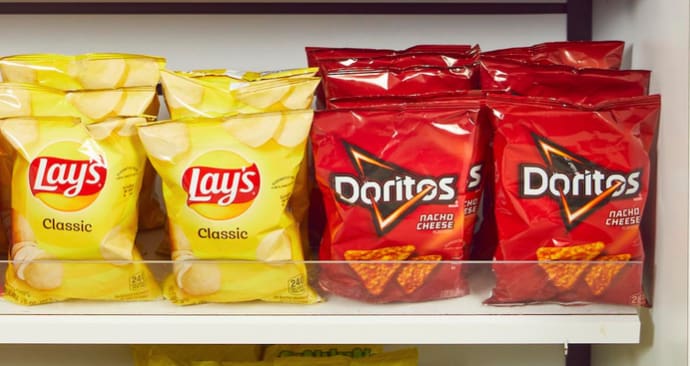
(376, 276)
(564, 276)
(413, 276)
(600, 276)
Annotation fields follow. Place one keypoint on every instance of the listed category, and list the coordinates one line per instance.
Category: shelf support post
(579, 20)
(577, 354)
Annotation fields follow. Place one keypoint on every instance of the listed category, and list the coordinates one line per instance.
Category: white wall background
(659, 32)
(261, 41)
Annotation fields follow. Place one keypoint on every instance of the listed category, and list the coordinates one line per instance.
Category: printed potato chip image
(564, 276)
(80, 72)
(228, 181)
(376, 276)
(196, 96)
(600, 276)
(19, 100)
(74, 197)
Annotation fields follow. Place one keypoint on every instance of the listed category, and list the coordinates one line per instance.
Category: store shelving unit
(343, 321)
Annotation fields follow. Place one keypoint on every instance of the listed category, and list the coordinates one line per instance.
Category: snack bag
(74, 197)
(102, 85)
(385, 202)
(88, 71)
(578, 54)
(184, 355)
(571, 185)
(194, 97)
(226, 185)
(567, 84)
(202, 95)
(586, 86)
(321, 350)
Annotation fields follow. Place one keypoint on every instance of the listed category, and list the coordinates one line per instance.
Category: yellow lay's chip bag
(80, 72)
(20, 100)
(226, 184)
(403, 357)
(74, 197)
(321, 350)
(193, 96)
(217, 93)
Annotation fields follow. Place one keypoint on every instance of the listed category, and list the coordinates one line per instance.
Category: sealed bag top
(195, 96)
(578, 54)
(87, 71)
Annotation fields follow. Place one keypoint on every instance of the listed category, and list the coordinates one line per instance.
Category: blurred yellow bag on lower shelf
(193, 355)
(403, 357)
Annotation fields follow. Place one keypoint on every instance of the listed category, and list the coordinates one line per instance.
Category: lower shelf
(454, 321)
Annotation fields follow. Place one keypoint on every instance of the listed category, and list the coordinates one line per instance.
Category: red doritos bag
(579, 54)
(587, 86)
(571, 185)
(395, 183)
(567, 84)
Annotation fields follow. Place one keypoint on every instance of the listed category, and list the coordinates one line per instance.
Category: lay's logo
(221, 193)
(60, 183)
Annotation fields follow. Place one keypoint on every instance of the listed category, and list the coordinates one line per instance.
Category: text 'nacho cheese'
(226, 185)
(74, 197)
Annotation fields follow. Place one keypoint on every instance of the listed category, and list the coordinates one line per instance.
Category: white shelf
(460, 321)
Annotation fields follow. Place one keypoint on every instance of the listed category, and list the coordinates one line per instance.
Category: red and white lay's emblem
(219, 193)
(70, 178)
(66, 184)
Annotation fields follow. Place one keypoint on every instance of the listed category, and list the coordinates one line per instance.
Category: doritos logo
(577, 184)
(388, 191)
